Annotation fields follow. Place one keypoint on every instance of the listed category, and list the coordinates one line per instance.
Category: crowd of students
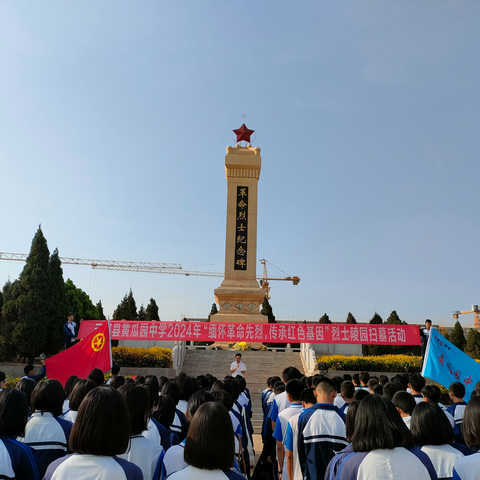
(315, 427)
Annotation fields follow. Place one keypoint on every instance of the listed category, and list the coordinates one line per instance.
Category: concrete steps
(260, 366)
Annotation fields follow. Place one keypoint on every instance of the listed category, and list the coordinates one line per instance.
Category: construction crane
(148, 267)
(476, 315)
(264, 282)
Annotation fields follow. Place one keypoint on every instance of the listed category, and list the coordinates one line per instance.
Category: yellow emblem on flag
(98, 341)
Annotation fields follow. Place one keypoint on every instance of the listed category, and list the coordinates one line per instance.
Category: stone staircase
(260, 366)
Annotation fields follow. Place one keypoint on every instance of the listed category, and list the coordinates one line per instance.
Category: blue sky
(115, 117)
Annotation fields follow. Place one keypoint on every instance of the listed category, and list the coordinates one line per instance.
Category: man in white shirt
(238, 367)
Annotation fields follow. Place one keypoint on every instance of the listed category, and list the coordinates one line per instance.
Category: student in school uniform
(415, 384)
(347, 391)
(17, 459)
(142, 452)
(209, 447)
(431, 393)
(80, 390)
(180, 425)
(294, 389)
(46, 431)
(155, 431)
(405, 404)
(433, 433)
(468, 468)
(456, 392)
(101, 432)
(69, 384)
(308, 399)
(321, 432)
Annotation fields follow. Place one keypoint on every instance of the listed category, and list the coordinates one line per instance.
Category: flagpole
(110, 343)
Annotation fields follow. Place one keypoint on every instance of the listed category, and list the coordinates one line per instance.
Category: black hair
(152, 395)
(69, 384)
(471, 424)
(347, 376)
(118, 381)
(350, 420)
(347, 388)
(28, 368)
(165, 413)
(378, 425)
(356, 378)
(430, 425)
(137, 402)
(152, 380)
(162, 381)
(80, 390)
(364, 377)
(13, 412)
(372, 382)
(27, 386)
(279, 388)
(405, 402)
(139, 379)
(308, 396)
(115, 370)
(224, 398)
(103, 424)
(238, 354)
(48, 397)
(417, 382)
(209, 444)
(403, 379)
(171, 389)
(391, 388)
(97, 376)
(378, 389)
(428, 321)
(325, 385)
(458, 389)
(360, 394)
(432, 393)
(294, 388)
(382, 379)
(337, 380)
(197, 399)
(290, 373)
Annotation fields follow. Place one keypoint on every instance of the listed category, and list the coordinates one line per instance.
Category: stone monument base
(239, 318)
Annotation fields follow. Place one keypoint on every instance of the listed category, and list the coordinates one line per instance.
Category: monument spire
(239, 296)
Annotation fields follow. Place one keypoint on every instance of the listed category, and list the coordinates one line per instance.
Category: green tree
(80, 303)
(267, 310)
(324, 319)
(213, 310)
(376, 319)
(30, 307)
(374, 349)
(350, 319)
(127, 308)
(59, 305)
(7, 350)
(100, 310)
(393, 319)
(457, 337)
(473, 343)
(152, 310)
(142, 314)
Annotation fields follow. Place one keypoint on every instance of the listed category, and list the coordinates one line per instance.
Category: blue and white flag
(445, 363)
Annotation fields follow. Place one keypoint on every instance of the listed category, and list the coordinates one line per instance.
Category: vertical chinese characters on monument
(241, 229)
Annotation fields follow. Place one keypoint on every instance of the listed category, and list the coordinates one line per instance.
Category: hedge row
(384, 363)
(154, 357)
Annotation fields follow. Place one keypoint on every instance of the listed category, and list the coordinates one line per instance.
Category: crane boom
(476, 315)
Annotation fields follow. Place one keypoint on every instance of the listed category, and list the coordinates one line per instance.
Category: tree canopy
(267, 310)
(350, 319)
(324, 319)
(127, 308)
(152, 310)
(457, 336)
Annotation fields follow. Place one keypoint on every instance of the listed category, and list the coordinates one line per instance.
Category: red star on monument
(243, 133)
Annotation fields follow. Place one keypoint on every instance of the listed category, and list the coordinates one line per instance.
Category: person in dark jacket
(424, 336)
(70, 330)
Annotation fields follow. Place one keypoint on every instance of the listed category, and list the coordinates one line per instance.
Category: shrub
(384, 363)
(155, 357)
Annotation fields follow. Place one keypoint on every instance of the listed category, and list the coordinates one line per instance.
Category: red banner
(259, 332)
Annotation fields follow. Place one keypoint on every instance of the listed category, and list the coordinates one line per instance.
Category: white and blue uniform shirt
(291, 443)
(48, 436)
(17, 460)
(339, 401)
(279, 403)
(457, 410)
(180, 425)
(92, 467)
(444, 457)
(70, 415)
(146, 455)
(280, 431)
(174, 460)
(384, 464)
(192, 473)
(321, 433)
(158, 434)
(467, 468)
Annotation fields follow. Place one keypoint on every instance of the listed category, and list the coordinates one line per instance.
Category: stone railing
(178, 355)
(309, 359)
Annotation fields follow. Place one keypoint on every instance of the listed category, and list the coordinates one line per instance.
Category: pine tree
(457, 337)
(100, 311)
(376, 319)
(350, 319)
(393, 319)
(374, 349)
(126, 309)
(152, 310)
(267, 310)
(59, 308)
(7, 325)
(80, 303)
(324, 319)
(142, 314)
(30, 307)
(473, 343)
(213, 311)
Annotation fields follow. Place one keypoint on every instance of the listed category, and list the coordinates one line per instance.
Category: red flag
(93, 351)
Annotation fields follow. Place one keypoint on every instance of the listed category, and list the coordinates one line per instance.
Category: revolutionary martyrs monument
(240, 295)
